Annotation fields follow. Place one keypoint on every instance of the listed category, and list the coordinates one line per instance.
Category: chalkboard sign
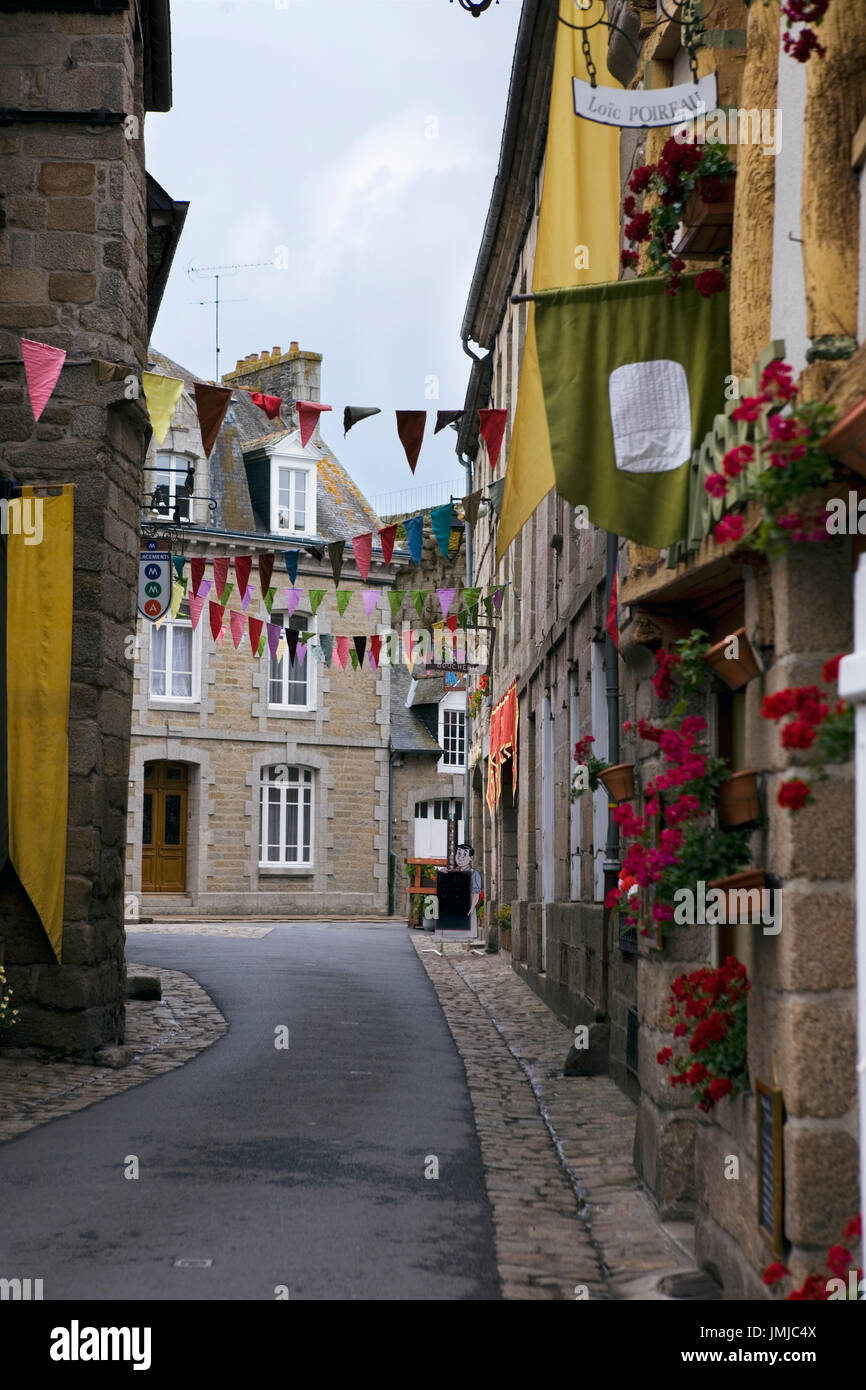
(770, 1169)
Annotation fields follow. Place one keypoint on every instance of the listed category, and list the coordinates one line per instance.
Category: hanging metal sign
(154, 582)
(658, 107)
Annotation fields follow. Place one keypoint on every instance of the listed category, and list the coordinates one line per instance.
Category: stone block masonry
(73, 273)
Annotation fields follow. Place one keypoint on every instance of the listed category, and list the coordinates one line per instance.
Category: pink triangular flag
(343, 650)
(300, 653)
(245, 601)
(363, 548)
(275, 632)
(293, 598)
(308, 418)
(243, 569)
(446, 598)
(492, 430)
(196, 604)
(371, 598)
(238, 622)
(42, 367)
(221, 572)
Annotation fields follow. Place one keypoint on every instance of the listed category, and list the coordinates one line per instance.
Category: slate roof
(409, 733)
(341, 509)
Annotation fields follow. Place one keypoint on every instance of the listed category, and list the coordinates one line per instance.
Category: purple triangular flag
(371, 598)
(293, 598)
(497, 600)
(245, 601)
(446, 598)
(275, 632)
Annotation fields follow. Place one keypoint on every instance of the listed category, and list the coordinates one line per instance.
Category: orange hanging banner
(503, 744)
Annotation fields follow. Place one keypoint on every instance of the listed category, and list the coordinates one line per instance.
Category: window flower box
(739, 802)
(735, 671)
(708, 219)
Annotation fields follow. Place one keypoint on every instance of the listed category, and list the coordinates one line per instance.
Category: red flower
(716, 484)
(793, 794)
(775, 1273)
(639, 181)
(804, 46)
(830, 669)
(696, 1073)
(778, 705)
(777, 381)
(854, 1228)
(638, 229)
(730, 528)
(680, 1030)
(720, 1086)
(750, 409)
(664, 1056)
(798, 734)
(711, 282)
(839, 1260)
(628, 258)
(735, 460)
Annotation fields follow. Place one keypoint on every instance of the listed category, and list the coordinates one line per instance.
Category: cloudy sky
(354, 143)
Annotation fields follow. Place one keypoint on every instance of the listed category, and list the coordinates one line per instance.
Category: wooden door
(163, 839)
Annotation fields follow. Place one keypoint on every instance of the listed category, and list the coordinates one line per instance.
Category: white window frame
(285, 778)
(169, 464)
(182, 620)
(301, 462)
(453, 702)
(310, 624)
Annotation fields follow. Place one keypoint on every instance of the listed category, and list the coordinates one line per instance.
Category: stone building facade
(792, 297)
(82, 266)
(215, 730)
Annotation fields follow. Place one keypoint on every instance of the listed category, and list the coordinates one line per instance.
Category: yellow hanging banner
(162, 394)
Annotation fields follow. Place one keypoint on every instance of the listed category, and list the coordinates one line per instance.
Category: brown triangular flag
(410, 428)
(211, 402)
(446, 417)
(360, 647)
(471, 505)
(110, 371)
(292, 636)
(335, 554)
(266, 569)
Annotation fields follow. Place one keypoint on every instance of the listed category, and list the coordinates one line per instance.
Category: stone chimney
(294, 375)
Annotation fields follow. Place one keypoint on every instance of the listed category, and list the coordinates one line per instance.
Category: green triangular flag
(624, 428)
(441, 520)
(463, 617)
(418, 597)
(488, 604)
(354, 655)
(268, 599)
(178, 561)
(315, 596)
(262, 643)
(395, 598)
(226, 593)
(305, 636)
(343, 599)
(326, 642)
(471, 597)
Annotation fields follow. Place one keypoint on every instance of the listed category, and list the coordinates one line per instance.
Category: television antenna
(216, 273)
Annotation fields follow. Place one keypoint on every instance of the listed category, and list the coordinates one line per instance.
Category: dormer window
(293, 493)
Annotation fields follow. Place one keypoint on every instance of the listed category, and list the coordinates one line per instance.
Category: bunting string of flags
(44, 363)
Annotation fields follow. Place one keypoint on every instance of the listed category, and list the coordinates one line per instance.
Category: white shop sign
(658, 107)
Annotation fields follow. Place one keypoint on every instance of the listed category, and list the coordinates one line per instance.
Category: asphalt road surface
(302, 1168)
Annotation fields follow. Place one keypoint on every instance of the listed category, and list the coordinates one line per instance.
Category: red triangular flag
(220, 573)
(343, 651)
(266, 569)
(387, 536)
(256, 625)
(363, 548)
(196, 569)
(271, 405)
(612, 624)
(216, 618)
(238, 623)
(196, 605)
(243, 567)
(452, 622)
(375, 649)
(491, 427)
(42, 367)
(410, 428)
(308, 418)
(211, 402)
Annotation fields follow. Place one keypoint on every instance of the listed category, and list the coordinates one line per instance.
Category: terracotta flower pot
(708, 225)
(747, 879)
(739, 801)
(619, 781)
(735, 671)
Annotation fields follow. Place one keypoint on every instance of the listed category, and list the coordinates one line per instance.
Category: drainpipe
(852, 686)
(392, 873)
(611, 851)
(470, 561)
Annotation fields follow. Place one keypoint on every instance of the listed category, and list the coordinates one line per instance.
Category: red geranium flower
(793, 794)
(830, 669)
(839, 1260)
(716, 484)
(711, 282)
(775, 1273)
(639, 181)
(798, 734)
(778, 705)
(730, 528)
(750, 409)
(664, 1056)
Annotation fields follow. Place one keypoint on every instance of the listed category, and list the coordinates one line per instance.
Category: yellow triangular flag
(282, 648)
(162, 394)
(578, 244)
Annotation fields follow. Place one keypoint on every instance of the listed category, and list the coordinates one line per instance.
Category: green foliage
(781, 492)
(835, 740)
(706, 854)
(503, 916)
(692, 674)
